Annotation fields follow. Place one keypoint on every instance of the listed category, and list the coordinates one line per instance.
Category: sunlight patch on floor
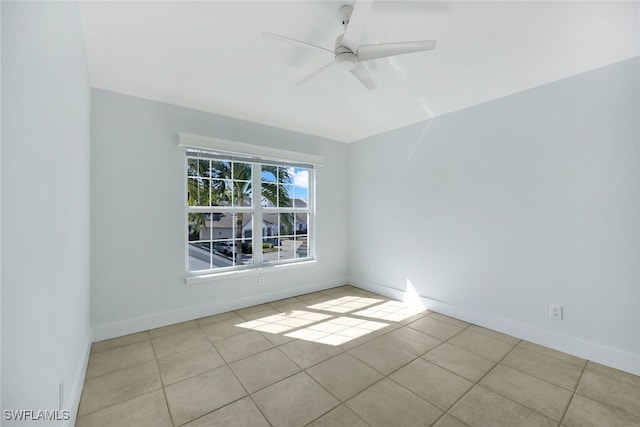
(327, 325)
(394, 311)
(345, 304)
(282, 322)
(337, 331)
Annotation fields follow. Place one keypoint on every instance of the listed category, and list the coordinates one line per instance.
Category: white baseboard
(608, 356)
(156, 320)
(73, 400)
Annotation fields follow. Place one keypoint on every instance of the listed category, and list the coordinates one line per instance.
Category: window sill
(258, 271)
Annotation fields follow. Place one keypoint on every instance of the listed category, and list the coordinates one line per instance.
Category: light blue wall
(45, 205)
(137, 227)
(496, 211)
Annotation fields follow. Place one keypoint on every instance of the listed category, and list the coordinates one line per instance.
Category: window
(244, 212)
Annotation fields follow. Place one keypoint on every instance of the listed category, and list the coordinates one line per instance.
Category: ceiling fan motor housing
(345, 59)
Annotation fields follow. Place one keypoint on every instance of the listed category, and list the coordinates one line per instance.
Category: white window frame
(256, 156)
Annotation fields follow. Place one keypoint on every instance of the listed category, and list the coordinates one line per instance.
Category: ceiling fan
(349, 54)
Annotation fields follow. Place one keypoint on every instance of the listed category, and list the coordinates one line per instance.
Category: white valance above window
(246, 152)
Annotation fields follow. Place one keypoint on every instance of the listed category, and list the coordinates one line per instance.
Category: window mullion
(311, 215)
(256, 200)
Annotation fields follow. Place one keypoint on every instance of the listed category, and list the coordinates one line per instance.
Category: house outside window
(245, 212)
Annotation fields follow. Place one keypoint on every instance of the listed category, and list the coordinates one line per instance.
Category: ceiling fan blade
(315, 73)
(300, 42)
(361, 73)
(357, 23)
(374, 51)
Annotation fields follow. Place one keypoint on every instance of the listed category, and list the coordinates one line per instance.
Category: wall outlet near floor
(261, 280)
(60, 393)
(555, 311)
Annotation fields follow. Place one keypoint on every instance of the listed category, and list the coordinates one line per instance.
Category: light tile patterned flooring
(346, 357)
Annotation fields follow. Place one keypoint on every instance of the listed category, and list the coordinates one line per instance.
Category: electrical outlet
(60, 393)
(261, 280)
(555, 311)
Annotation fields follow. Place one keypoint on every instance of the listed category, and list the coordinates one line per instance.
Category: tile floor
(346, 357)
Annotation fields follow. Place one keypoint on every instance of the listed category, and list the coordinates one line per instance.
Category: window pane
(269, 194)
(286, 249)
(269, 250)
(269, 186)
(222, 255)
(197, 227)
(220, 192)
(192, 192)
(220, 170)
(302, 249)
(269, 173)
(301, 187)
(242, 193)
(269, 224)
(286, 224)
(198, 192)
(242, 171)
(285, 192)
(192, 167)
(246, 255)
(203, 168)
(223, 247)
(243, 224)
(302, 223)
(285, 175)
(220, 225)
(199, 256)
(204, 192)
(298, 202)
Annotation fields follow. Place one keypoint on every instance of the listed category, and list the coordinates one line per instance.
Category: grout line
(477, 383)
(515, 401)
(188, 349)
(333, 409)
(551, 355)
(195, 375)
(340, 402)
(573, 395)
(379, 380)
(226, 404)
(117, 370)
(117, 403)
(395, 370)
(445, 368)
(509, 398)
(164, 394)
(542, 379)
(341, 352)
(444, 411)
(119, 345)
(249, 395)
(120, 401)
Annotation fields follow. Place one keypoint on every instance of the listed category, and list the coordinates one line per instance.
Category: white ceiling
(211, 56)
